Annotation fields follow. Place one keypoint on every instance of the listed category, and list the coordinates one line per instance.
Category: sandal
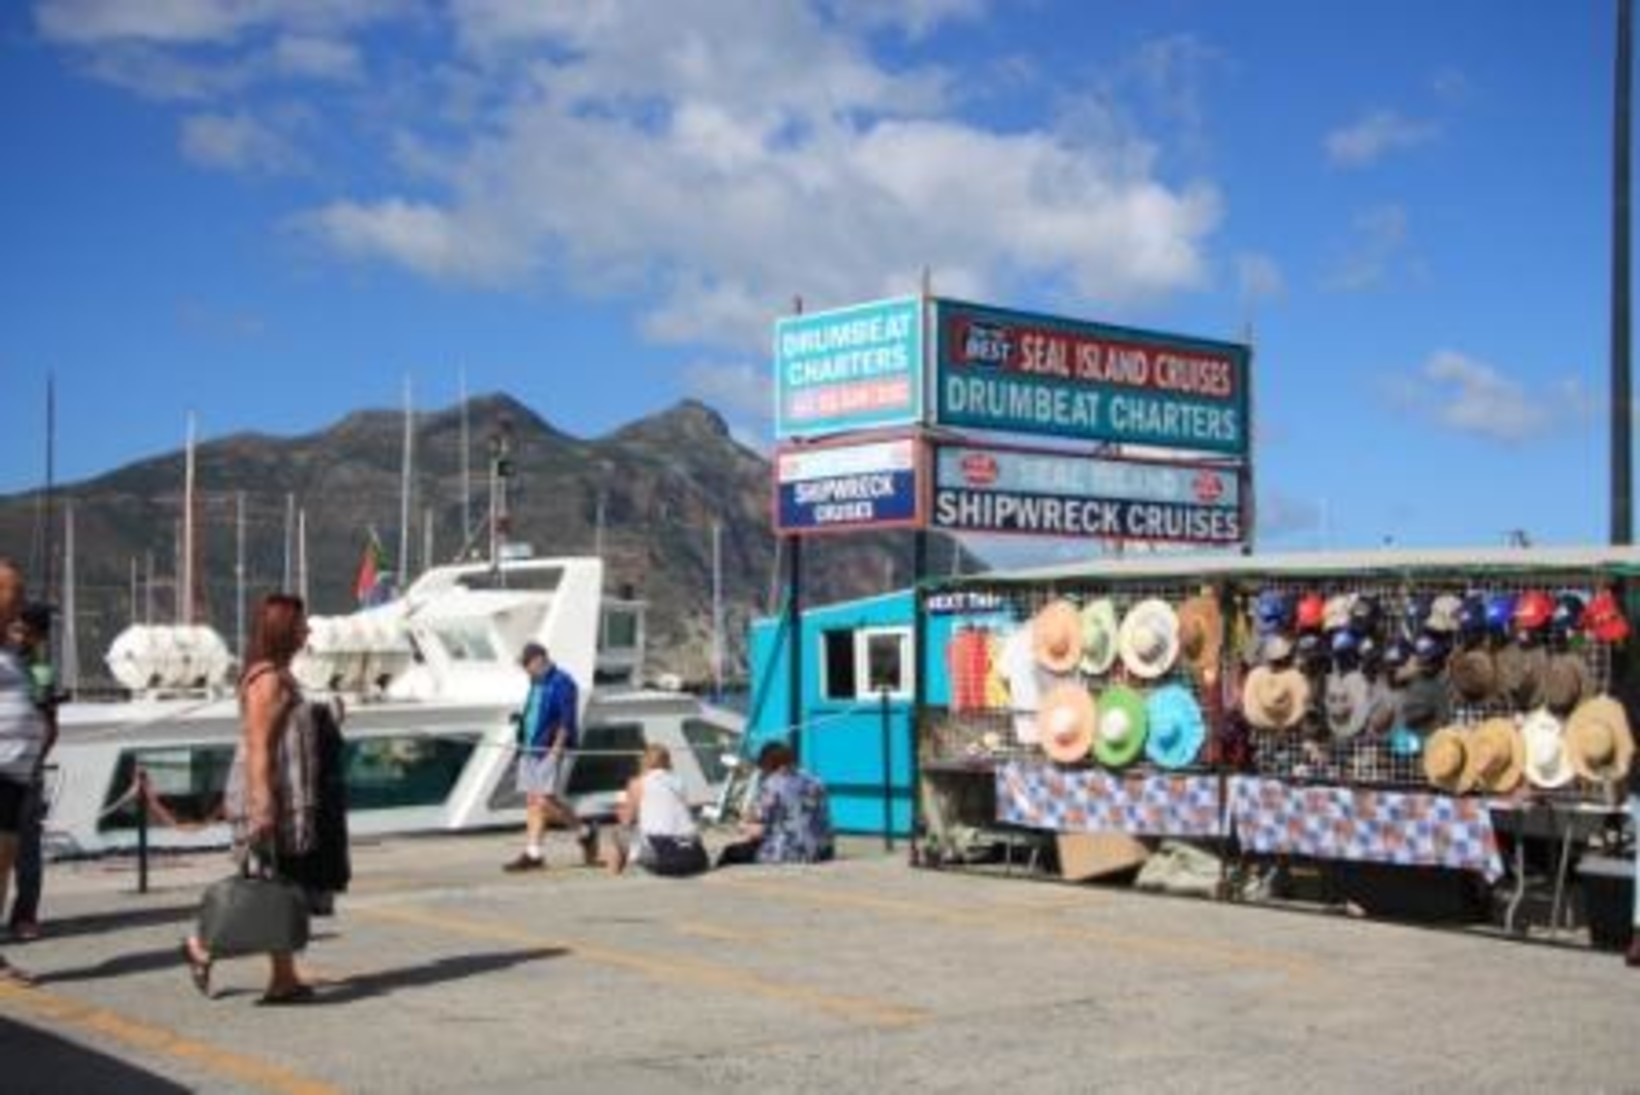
(11, 975)
(198, 971)
(301, 994)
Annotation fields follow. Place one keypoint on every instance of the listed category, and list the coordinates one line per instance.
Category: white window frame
(862, 662)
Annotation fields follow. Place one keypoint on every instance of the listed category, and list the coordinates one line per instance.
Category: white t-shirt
(662, 808)
(22, 728)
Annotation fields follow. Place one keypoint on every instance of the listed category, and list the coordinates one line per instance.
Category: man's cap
(530, 652)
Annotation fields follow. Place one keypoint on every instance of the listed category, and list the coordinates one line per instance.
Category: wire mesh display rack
(984, 733)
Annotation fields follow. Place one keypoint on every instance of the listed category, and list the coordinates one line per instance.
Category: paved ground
(441, 974)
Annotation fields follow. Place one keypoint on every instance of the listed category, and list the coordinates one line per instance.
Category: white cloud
(1379, 244)
(1368, 140)
(710, 157)
(726, 157)
(419, 236)
(195, 22)
(740, 389)
(237, 142)
(916, 18)
(315, 58)
(1472, 397)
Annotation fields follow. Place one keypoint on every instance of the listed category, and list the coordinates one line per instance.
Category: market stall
(1463, 712)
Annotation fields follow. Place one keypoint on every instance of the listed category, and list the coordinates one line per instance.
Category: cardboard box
(1094, 855)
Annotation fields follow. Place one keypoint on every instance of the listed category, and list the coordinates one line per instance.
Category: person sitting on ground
(658, 832)
(792, 819)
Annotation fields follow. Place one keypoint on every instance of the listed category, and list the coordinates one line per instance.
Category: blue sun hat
(1273, 611)
(1176, 728)
(1472, 619)
(1403, 742)
(1500, 613)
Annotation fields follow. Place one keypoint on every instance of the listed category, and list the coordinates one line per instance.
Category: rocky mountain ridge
(660, 482)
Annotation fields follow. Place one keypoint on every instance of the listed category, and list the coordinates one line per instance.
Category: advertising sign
(836, 487)
(849, 369)
(1038, 493)
(1024, 373)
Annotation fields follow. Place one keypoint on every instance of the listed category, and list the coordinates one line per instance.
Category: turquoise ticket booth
(855, 730)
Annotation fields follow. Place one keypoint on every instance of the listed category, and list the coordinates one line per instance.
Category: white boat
(430, 684)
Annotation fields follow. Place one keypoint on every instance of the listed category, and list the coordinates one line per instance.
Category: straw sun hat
(1275, 699)
(1149, 639)
(1496, 756)
(1548, 764)
(1065, 723)
(1056, 636)
(1599, 741)
(1120, 732)
(1098, 636)
(1446, 760)
(1176, 728)
(1201, 635)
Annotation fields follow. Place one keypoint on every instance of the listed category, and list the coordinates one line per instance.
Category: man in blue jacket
(547, 730)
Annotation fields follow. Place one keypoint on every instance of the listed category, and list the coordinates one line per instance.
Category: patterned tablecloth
(1090, 800)
(1411, 828)
(1269, 816)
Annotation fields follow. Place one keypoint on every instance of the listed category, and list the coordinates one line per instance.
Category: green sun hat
(1119, 735)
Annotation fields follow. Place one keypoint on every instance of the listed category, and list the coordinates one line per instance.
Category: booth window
(837, 676)
(859, 663)
(884, 655)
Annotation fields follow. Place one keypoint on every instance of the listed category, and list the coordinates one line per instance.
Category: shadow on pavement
(36, 1061)
(430, 973)
(94, 923)
(147, 961)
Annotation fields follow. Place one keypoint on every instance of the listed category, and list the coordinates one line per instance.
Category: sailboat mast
(51, 483)
(239, 572)
(290, 541)
(301, 555)
(404, 488)
(186, 593)
(69, 664)
(717, 610)
(466, 465)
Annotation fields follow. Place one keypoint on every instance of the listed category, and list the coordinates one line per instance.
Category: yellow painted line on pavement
(1002, 918)
(665, 967)
(162, 1041)
(704, 930)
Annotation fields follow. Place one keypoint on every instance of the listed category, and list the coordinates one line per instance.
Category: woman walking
(272, 793)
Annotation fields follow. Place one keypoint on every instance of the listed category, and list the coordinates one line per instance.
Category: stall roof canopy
(1396, 562)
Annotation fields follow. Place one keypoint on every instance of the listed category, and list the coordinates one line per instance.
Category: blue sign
(849, 369)
(1024, 373)
(1062, 494)
(872, 485)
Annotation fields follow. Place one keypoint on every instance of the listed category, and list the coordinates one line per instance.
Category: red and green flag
(372, 570)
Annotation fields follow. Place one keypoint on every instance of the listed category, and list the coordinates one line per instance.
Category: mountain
(661, 482)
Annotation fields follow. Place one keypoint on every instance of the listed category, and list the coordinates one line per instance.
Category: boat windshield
(383, 773)
(540, 579)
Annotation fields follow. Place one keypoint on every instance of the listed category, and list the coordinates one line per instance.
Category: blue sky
(271, 213)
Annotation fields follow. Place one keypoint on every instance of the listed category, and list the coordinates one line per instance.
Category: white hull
(431, 749)
(418, 767)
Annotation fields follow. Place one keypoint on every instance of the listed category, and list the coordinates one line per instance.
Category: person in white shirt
(22, 737)
(659, 832)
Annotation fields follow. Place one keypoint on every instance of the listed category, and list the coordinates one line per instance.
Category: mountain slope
(661, 482)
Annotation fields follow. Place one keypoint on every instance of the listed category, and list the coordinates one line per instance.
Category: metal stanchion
(888, 774)
(142, 831)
